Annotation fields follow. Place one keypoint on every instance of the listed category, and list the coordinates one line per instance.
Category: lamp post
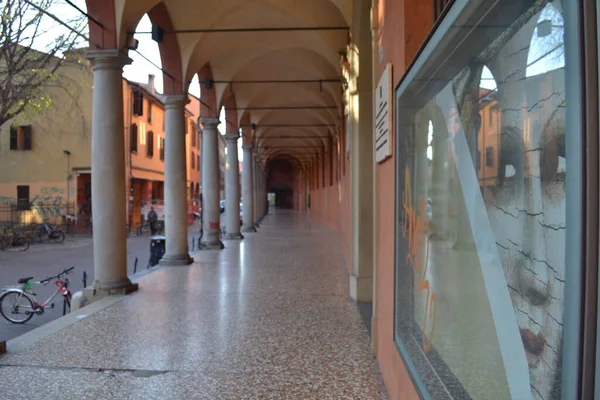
(68, 154)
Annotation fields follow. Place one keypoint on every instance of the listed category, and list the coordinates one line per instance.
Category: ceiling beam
(157, 31)
(286, 108)
(288, 125)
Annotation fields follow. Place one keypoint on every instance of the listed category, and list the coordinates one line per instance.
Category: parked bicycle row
(19, 239)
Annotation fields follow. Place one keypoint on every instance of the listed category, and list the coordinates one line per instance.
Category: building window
(198, 164)
(149, 112)
(23, 197)
(193, 138)
(150, 144)
(133, 140)
(20, 138)
(198, 141)
(480, 255)
(161, 146)
(193, 156)
(138, 102)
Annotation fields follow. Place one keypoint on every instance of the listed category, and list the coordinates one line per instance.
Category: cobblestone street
(42, 260)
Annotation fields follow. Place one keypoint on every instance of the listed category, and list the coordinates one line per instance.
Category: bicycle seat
(25, 280)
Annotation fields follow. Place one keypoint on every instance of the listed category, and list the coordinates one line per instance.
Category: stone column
(211, 178)
(232, 189)
(248, 189)
(256, 195)
(175, 182)
(109, 195)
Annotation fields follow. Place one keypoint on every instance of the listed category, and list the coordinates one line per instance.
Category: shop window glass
(480, 245)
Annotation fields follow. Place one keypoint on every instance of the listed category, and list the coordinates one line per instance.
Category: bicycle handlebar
(65, 272)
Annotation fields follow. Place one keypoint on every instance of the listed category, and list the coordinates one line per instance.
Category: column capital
(247, 147)
(233, 137)
(107, 59)
(210, 123)
(175, 101)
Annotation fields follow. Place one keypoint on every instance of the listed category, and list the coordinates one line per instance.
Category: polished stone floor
(265, 318)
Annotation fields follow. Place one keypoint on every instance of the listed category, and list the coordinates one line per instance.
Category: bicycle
(46, 232)
(21, 301)
(16, 241)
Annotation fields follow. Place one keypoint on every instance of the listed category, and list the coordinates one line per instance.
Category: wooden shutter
(22, 197)
(150, 144)
(134, 138)
(14, 138)
(27, 143)
(138, 102)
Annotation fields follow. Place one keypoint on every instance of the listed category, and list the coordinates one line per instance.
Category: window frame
(573, 346)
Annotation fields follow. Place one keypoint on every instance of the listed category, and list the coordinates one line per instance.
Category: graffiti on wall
(49, 202)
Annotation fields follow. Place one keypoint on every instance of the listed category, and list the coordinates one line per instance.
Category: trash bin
(157, 249)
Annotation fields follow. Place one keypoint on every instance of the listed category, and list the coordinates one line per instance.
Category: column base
(361, 289)
(174, 260)
(218, 245)
(100, 290)
(248, 230)
(234, 236)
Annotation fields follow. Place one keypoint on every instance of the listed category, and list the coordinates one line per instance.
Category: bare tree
(33, 45)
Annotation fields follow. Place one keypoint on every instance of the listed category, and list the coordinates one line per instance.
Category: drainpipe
(374, 58)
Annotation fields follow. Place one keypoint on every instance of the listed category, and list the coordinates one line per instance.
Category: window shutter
(28, 137)
(138, 103)
(14, 138)
(134, 138)
(23, 197)
(150, 144)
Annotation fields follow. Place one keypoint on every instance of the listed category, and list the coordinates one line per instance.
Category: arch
(231, 113)
(105, 36)
(208, 96)
(546, 48)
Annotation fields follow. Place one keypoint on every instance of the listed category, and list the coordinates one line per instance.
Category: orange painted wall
(401, 36)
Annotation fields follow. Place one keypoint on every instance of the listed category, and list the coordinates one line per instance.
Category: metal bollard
(135, 263)
(65, 299)
(84, 279)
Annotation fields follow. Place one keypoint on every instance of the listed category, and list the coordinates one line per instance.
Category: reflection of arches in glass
(430, 140)
(547, 49)
(487, 80)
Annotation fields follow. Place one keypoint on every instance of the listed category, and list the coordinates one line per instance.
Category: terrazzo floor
(266, 318)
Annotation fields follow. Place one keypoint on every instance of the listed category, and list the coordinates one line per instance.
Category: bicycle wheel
(57, 236)
(16, 307)
(20, 243)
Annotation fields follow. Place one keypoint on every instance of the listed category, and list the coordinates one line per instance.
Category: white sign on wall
(383, 120)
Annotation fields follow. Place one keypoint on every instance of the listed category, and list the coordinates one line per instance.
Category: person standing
(152, 218)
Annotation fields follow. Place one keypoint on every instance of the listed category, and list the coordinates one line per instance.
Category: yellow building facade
(45, 158)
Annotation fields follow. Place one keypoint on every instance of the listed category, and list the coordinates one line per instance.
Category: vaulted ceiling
(239, 63)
